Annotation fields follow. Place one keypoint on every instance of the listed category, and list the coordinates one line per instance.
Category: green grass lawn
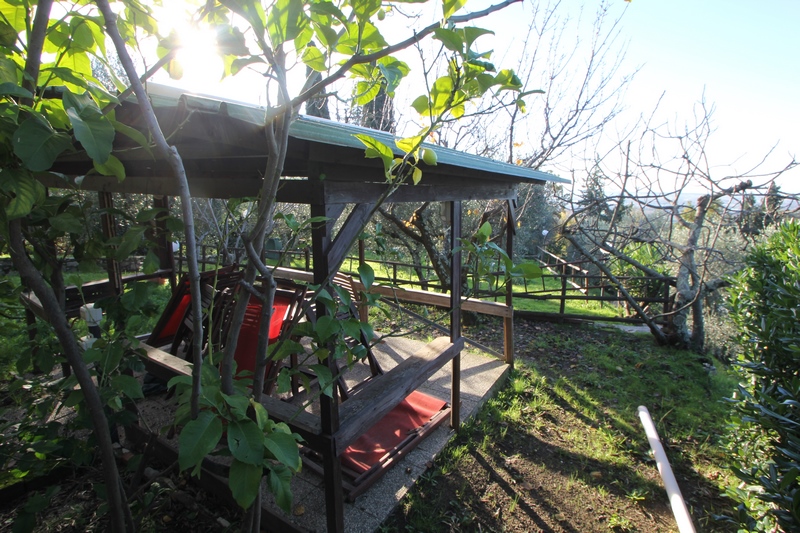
(564, 432)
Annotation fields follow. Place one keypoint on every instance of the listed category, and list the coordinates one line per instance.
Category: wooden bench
(366, 407)
(373, 401)
(166, 366)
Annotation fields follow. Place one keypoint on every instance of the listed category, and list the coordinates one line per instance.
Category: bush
(765, 430)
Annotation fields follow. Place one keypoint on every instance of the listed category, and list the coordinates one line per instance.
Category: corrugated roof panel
(339, 134)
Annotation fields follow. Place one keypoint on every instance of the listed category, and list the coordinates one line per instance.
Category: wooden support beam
(348, 232)
(329, 406)
(508, 322)
(106, 203)
(455, 316)
(166, 259)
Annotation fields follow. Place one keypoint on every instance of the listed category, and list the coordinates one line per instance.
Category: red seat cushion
(247, 346)
(177, 317)
(413, 412)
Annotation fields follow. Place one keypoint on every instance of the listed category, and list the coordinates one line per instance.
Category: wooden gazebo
(223, 149)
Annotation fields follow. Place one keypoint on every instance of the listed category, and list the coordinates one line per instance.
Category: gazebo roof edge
(334, 133)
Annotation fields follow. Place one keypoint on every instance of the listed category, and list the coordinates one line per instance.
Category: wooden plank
(353, 226)
(293, 274)
(307, 424)
(508, 322)
(442, 300)
(166, 366)
(455, 315)
(373, 401)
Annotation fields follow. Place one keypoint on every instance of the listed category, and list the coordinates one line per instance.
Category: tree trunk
(94, 405)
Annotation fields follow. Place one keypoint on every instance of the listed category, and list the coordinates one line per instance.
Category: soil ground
(532, 476)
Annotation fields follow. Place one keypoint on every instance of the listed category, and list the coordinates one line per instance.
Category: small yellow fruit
(429, 157)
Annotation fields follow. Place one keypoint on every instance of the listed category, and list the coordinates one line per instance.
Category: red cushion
(413, 412)
(247, 346)
(177, 317)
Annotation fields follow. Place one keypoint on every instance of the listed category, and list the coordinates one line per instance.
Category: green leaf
(9, 73)
(393, 72)
(16, 15)
(12, 89)
(328, 37)
(410, 144)
(127, 385)
(325, 378)
(451, 40)
(483, 233)
(416, 175)
(507, 80)
(527, 271)
(284, 448)
(366, 274)
(37, 144)
(251, 11)
(27, 192)
(112, 167)
(366, 91)
(131, 240)
(146, 215)
(321, 11)
(198, 439)
(8, 36)
(365, 9)
(441, 94)
(376, 149)
(151, 262)
(352, 327)
(471, 33)
(92, 129)
(133, 134)
(262, 418)
(286, 21)
(231, 41)
(67, 223)
(246, 441)
(421, 105)
(314, 59)
(238, 405)
(279, 485)
(240, 63)
(244, 480)
(326, 327)
(451, 6)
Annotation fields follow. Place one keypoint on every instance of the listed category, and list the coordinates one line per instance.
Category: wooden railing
(563, 281)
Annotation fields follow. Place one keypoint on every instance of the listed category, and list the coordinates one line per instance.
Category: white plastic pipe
(673, 491)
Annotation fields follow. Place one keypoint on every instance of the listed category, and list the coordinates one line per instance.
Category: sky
(742, 56)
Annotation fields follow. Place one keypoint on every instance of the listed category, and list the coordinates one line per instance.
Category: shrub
(765, 430)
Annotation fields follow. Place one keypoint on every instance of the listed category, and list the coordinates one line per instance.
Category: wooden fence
(562, 281)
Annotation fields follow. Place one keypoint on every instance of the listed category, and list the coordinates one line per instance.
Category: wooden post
(508, 322)
(329, 406)
(455, 308)
(563, 288)
(106, 202)
(363, 309)
(166, 258)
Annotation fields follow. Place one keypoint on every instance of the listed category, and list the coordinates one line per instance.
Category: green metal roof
(329, 132)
